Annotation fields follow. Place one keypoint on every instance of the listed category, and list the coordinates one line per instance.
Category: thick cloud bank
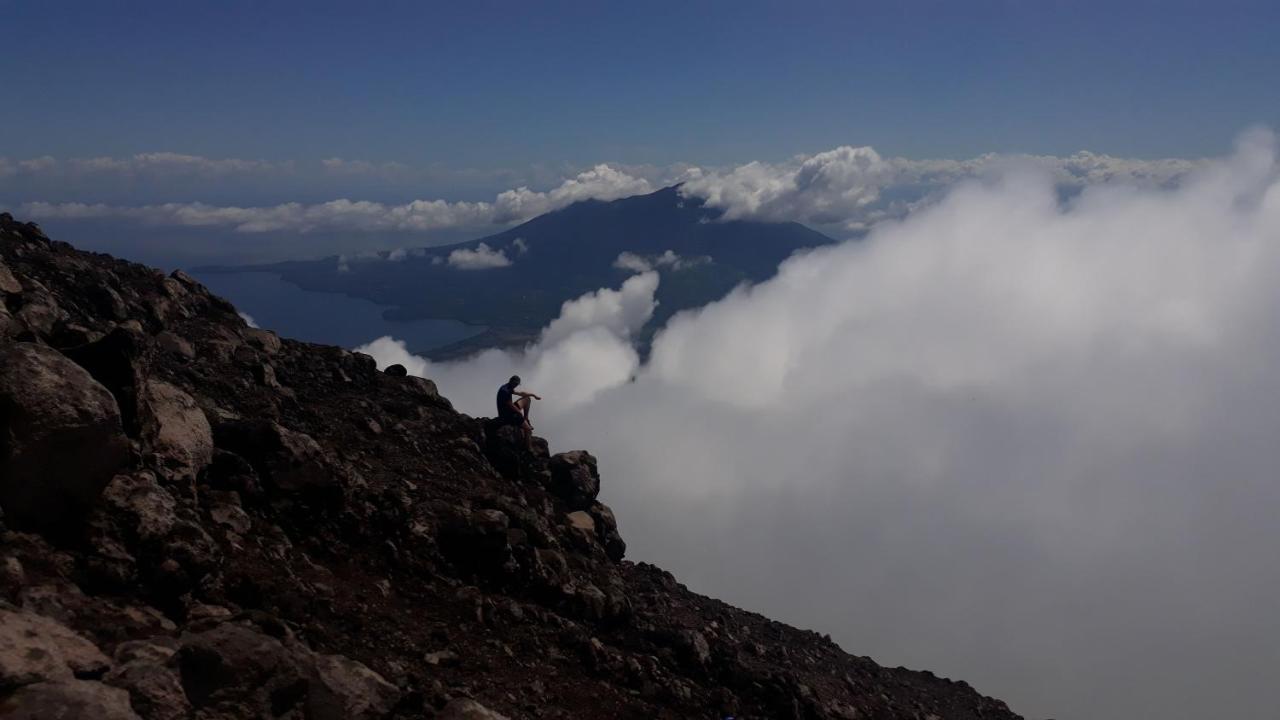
(848, 187)
(1013, 440)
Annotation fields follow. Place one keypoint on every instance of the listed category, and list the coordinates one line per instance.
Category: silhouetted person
(516, 412)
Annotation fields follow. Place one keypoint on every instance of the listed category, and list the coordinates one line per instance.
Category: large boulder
(342, 689)
(68, 700)
(35, 649)
(146, 671)
(232, 661)
(40, 312)
(505, 448)
(236, 663)
(476, 541)
(178, 430)
(288, 460)
(119, 361)
(61, 439)
(575, 478)
(147, 508)
(264, 340)
(606, 526)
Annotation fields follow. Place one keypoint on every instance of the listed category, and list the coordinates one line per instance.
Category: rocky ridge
(204, 521)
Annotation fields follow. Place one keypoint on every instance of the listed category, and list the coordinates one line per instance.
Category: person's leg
(524, 404)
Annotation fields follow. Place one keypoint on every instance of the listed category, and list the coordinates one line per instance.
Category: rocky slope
(202, 520)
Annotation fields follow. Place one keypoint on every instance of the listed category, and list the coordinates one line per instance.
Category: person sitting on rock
(516, 412)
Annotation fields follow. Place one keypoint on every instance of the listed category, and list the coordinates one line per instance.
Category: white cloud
(632, 262)
(160, 163)
(340, 166)
(621, 311)
(601, 182)
(520, 245)
(583, 351)
(670, 259)
(1024, 442)
(248, 320)
(678, 262)
(822, 189)
(482, 258)
(845, 187)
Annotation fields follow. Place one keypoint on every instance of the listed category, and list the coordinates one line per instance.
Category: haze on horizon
(1013, 431)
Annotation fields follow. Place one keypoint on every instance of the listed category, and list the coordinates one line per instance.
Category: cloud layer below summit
(1015, 438)
(840, 190)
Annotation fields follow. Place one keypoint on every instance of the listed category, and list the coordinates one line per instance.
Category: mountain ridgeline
(559, 256)
(204, 521)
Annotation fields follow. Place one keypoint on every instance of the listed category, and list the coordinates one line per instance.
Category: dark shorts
(511, 418)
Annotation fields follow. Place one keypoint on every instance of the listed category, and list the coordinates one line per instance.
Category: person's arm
(522, 393)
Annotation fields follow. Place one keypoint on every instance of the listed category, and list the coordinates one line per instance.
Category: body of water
(329, 318)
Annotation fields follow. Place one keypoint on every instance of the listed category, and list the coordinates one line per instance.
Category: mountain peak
(514, 282)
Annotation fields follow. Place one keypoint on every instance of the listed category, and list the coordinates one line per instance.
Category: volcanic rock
(287, 533)
(575, 478)
(60, 436)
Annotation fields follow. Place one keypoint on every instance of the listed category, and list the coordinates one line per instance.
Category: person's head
(514, 382)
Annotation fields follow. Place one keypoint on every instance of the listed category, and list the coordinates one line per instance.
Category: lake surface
(330, 318)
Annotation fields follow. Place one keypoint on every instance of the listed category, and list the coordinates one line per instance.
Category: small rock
(265, 340)
(468, 709)
(231, 516)
(581, 520)
(396, 370)
(443, 658)
(176, 345)
(148, 507)
(8, 283)
(12, 576)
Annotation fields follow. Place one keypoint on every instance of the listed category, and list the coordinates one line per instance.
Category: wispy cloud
(633, 262)
(846, 188)
(601, 182)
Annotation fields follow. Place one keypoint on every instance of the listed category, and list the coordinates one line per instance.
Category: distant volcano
(515, 281)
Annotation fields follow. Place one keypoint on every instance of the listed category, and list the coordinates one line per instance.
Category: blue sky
(117, 110)
(494, 85)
